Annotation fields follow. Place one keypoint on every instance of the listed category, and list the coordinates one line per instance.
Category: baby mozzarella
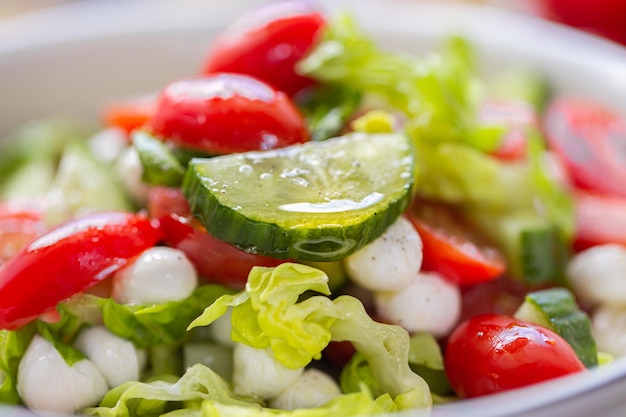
(130, 170)
(390, 262)
(313, 389)
(46, 382)
(609, 329)
(256, 372)
(117, 359)
(429, 303)
(598, 274)
(158, 275)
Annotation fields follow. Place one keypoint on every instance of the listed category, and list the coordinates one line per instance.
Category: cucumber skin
(302, 241)
(559, 308)
(272, 240)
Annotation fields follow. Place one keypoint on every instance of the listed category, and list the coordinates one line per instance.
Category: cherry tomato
(493, 353)
(590, 139)
(599, 219)
(17, 228)
(68, 259)
(130, 114)
(267, 43)
(227, 113)
(603, 17)
(451, 248)
(216, 261)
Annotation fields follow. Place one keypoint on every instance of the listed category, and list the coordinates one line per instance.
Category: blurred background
(606, 18)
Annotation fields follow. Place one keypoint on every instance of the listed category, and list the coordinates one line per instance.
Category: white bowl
(70, 59)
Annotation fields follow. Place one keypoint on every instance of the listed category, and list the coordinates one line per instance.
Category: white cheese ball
(430, 303)
(598, 274)
(313, 389)
(46, 382)
(160, 274)
(256, 372)
(130, 171)
(117, 359)
(390, 262)
(221, 329)
(608, 324)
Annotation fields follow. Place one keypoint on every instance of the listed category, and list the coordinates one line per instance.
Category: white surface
(71, 59)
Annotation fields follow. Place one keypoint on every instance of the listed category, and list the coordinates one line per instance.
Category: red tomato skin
(448, 247)
(493, 353)
(600, 219)
(226, 113)
(215, 261)
(603, 17)
(590, 140)
(267, 44)
(69, 259)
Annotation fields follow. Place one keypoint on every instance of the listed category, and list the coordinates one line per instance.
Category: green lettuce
(13, 344)
(158, 324)
(143, 399)
(270, 313)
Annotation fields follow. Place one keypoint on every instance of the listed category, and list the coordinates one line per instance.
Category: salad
(311, 225)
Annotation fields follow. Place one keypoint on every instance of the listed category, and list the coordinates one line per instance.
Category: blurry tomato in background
(606, 18)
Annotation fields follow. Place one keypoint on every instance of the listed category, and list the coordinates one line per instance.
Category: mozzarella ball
(430, 303)
(313, 389)
(130, 171)
(220, 330)
(256, 372)
(390, 262)
(598, 274)
(117, 359)
(158, 275)
(46, 382)
(609, 329)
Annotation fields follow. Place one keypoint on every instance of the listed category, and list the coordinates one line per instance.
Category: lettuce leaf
(157, 324)
(270, 313)
(438, 92)
(13, 344)
(143, 399)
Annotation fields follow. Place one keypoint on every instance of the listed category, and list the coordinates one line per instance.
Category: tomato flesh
(216, 261)
(130, 114)
(226, 113)
(493, 353)
(267, 43)
(600, 219)
(17, 228)
(451, 249)
(69, 259)
(590, 139)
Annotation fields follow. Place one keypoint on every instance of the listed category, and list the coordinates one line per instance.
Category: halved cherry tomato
(226, 113)
(267, 43)
(129, 114)
(216, 261)
(451, 248)
(68, 259)
(590, 138)
(600, 219)
(493, 353)
(603, 17)
(17, 228)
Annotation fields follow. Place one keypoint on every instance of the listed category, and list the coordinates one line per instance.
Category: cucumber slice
(320, 201)
(556, 309)
(536, 252)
